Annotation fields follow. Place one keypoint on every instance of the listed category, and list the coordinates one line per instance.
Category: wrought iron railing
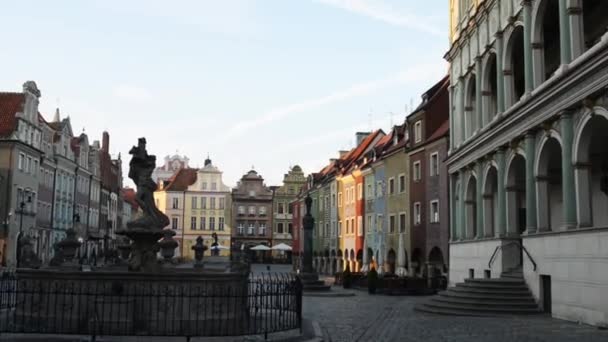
(521, 247)
(129, 307)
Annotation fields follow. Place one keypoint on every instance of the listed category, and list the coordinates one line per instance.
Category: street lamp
(22, 205)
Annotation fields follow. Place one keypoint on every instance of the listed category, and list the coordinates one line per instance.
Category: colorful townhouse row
(385, 202)
(52, 180)
(199, 204)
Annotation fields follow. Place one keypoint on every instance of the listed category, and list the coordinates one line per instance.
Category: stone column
(530, 183)
(479, 202)
(461, 113)
(461, 210)
(500, 79)
(501, 229)
(568, 192)
(453, 209)
(575, 21)
(452, 117)
(564, 32)
(478, 96)
(529, 77)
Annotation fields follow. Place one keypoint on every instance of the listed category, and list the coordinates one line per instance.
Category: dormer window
(418, 131)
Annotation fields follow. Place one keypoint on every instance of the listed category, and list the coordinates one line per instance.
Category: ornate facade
(527, 160)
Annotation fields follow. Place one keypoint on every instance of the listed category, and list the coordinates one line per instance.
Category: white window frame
(393, 229)
(339, 199)
(220, 223)
(434, 215)
(434, 170)
(193, 223)
(402, 219)
(360, 191)
(418, 131)
(379, 219)
(391, 180)
(417, 213)
(399, 183)
(359, 225)
(21, 162)
(417, 171)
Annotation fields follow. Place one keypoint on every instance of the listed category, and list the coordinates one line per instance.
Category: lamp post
(22, 204)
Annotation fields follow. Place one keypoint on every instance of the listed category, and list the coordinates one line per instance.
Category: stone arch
(591, 172)
(513, 64)
(490, 200)
(391, 258)
(489, 87)
(359, 258)
(470, 201)
(340, 261)
(417, 261)
(352, 261)
(436, 256)
(333, 262)
(549, 182)
(545, 40)
(515, 186)
(470, 123)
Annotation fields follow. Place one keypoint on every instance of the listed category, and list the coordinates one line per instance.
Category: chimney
(360, 136)
(57, 116)
(105, 142)
(332, 160)
(342, 153)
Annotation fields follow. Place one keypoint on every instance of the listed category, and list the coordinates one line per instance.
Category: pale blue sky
(269, 83)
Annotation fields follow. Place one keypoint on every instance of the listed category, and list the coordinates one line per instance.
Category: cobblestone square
(386, 318)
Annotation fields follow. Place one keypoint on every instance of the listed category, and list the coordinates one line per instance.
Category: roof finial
(57, 116)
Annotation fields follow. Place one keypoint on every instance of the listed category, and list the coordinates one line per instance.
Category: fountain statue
(148, 228)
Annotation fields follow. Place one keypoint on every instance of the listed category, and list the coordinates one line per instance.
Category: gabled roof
(10, 105)
(181, 180)
(357, 152)
(430, 95)
(440, 132)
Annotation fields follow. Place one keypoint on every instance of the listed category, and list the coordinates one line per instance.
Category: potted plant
(346, 278)
(372, 281)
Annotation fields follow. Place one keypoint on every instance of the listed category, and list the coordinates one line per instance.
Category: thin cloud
(414, 74)
(132, 93)
(382, 12)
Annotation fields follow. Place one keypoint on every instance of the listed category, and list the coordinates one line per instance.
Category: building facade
(252, 215)
(527, 158)
(282, 211)
(170, 166)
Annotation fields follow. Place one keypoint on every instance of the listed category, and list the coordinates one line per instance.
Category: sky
(266, 84)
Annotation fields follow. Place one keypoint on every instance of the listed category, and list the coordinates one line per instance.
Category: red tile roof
(441, 131)
(181, 180)
(10, 105)
(128, 195)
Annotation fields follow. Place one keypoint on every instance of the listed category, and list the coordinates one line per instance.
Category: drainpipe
(88, 215)
(53, 202)
(183, 220)
(6, 210)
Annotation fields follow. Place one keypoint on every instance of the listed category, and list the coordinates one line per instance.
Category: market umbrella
(282, 247)
(260, 248)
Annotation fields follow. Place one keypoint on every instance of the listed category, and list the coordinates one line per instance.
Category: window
(391, 186)
(434, 164)
(194, 202)
(417, 215)
(359, 226)
(339, 228)
(212, 223)
(21, 161)
(290, 228)
(251, 211)
(326, 231)
(203, 223)
(289, 209)
(347, 226)
(339, 199)
(281, 209)
(212, 203)
(204, 185)
(360, 191)
(240, 228)
(402, 223)
(28, 165)
(417, 173)
(369, 223)
(333, 200)
(379, 222)
(193, 223)
(203, 202)
(222, 203)
(369, 193)
(434, 211)
(241, 210)
(280, 228)
(401, 183)
(262, 229)
(352, 194)
(391, 224)
(418, 131)
(379, 189)
(262, 211)
(250, 229)
(174, 223)
(213, 186)
(220, 223)
(35, 169)
(175, 203)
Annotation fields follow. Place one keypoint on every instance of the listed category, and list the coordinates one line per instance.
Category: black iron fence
(252, 306)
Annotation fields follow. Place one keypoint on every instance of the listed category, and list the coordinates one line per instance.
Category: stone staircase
(507, 295)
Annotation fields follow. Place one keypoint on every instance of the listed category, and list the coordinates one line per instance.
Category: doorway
(545, 293)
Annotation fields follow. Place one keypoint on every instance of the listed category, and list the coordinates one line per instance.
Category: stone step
(492, 298)
(492, 291)
(493, 286)
(461, 312)
(485, 302)
(483, 309)
(496, 281)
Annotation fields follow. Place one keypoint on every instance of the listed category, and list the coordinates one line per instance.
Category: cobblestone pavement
(386, 318)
